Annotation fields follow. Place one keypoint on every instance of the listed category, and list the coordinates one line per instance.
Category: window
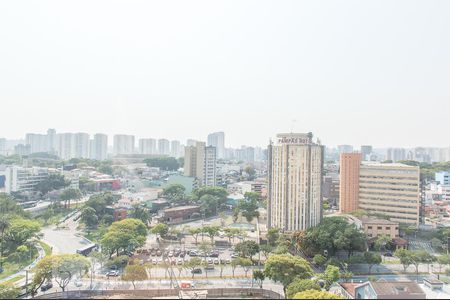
(379, 227)
(388, 228)
(369, 227)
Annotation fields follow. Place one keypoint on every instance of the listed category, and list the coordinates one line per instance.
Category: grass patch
(47, 248)
(11, 267)
(14, 279)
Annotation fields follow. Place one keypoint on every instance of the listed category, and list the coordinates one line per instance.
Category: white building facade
(295, 167)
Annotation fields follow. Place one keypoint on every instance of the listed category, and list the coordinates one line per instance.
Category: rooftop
(397, 288)
(178, 208)
(369, 220)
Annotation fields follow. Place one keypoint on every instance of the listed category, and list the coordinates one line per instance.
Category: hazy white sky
(352, 72)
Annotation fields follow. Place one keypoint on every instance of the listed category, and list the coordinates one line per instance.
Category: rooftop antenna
(292, 125)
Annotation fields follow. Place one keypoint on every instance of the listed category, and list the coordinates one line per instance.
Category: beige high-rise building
(295, 167)
(200, 162)
(390, 189)
(349, 182)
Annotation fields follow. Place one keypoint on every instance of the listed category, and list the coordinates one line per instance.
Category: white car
(78, 283)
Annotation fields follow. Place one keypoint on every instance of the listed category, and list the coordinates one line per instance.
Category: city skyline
(354, 73)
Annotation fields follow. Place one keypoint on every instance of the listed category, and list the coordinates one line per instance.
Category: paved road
(64, 240)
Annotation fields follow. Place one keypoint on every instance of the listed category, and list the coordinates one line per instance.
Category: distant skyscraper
(38, 142)
(147, 146)
(163, 147)
(396, 154)
(345, 149)
(295, 182)
(22, 149)
(349, 183)
(65, 145)
(175, 148)
(81, 146)
(99, 147)
(366, 150)
(210, 166)
(51, 140)
(217, 139)
(123, 144)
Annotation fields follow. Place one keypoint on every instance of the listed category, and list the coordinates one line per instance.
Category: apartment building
(123, 144)
(148, 146)
(390, 189)
(99, 147)
(217, 139)
(349, 181)
(19, 179)
(163, 147)
(295, 166)
(200, 162)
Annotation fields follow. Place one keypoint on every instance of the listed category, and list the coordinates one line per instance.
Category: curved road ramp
(219, 293)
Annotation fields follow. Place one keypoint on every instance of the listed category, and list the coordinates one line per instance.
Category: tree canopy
(51, 183)
(284, 268)
(300, 285)
(174, 192)
(163, 162)
(133, 273)
(333, 234)
(127, 234)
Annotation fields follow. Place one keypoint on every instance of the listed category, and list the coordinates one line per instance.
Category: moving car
(46, 286)
(112, 273)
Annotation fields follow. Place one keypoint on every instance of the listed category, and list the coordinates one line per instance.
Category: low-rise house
(379, 290)
(181, 214)
(379, 227)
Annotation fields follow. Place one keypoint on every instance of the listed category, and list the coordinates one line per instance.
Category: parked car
(209, 267)
(46, 286)
(234, 255)
(388, 254)
(158, 253)
(216, 261)
(196, 271)
(180, 261)
(154, 261)
(78, 283)
(112, 274)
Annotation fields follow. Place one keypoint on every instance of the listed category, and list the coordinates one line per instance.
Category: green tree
(246, 264)
(346, 276)
(443, 260)
(163, 162)
(266, 250)
(381, 242)
(89, 217)
(259, 277)
(405, 256)
(285, 267)
(319, 259)
(68, 195)
(273, 234)
(8, 291)
(5, 223)
(313, 294)
(250, 196)
(211, 231)
(160, 229)
(205, 248)
(372, 259)
(134, 273)
(234, 264)
(42, 272)
(20, 231)
(249, 209)
(174, 192)
(127, 234)
(220, 193)
(195, 233)
(192, 264)
(330, 275)
(140, 212)
(209, 205)
(51, 183)
(300, 285)
(247, 249)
